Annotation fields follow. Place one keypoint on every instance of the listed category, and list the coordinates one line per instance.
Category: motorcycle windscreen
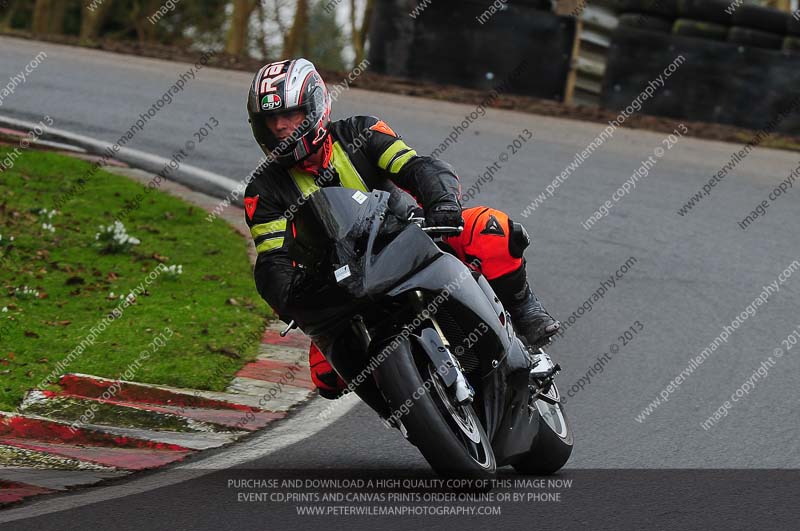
(369, 247)
(328, 216)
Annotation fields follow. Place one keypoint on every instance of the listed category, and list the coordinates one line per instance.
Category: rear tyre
(553, 444)
(449, 436)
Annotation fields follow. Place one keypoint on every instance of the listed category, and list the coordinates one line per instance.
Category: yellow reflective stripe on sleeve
(266, 228)
(398, 164)
(390, 153)
(347, 172)
(269, 245)
(305, 182)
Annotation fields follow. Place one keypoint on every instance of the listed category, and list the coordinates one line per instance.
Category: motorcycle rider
(289, 110)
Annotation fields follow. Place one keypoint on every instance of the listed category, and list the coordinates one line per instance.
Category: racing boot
(532, 322)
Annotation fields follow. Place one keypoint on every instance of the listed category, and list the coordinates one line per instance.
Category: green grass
(212, 336)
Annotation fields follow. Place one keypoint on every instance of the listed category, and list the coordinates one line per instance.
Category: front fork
(436, 347)
(447, 366)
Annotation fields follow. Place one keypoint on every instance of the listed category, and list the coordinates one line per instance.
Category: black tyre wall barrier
(793, 26)
(660, 8)
(457, 42)
(706, 11)
(761, 18)
(700, 29)
(791, 45)
(391, 37)
(718, 81)
(755, 38)
(645, 22)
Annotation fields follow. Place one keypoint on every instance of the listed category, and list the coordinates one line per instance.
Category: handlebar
(441, 230)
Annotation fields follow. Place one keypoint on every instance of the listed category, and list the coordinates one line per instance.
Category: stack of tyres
(646, 15)
(517, 44)
(391, 37)
(712, 11)
(542, 5)
(761, 18)
(639, 21)
(526, 48)
(791, 43)
(667, 9)
(758, 27)
(746, 25)
(703, 19)
(731, 62)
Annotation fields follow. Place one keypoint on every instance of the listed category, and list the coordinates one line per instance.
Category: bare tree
(273, 22)
(55, 22)
(41, 16)
(276, 9)
(239, 31)
(49, 15)
(145, 30)
(296, 42)
(261, 37)
(5, 22)
(92, 19)
(359, 34)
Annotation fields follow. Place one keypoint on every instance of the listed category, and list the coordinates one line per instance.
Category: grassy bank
(69, 304)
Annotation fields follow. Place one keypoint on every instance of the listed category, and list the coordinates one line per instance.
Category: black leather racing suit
(366, 155)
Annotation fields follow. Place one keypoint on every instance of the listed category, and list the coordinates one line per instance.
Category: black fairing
(448, 273)
(517, 424)
(359, 231)
(378, 264)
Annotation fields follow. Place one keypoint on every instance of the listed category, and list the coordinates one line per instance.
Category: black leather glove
(444, 213)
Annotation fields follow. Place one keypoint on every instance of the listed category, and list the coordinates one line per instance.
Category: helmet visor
(282, 130)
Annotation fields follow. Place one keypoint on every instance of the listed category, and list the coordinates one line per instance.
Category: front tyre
(449, 436)
(553, 444)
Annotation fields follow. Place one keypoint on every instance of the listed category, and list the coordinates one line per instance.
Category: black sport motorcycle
(424, 340)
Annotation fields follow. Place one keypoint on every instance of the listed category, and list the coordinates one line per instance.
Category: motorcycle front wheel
(449, 435)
